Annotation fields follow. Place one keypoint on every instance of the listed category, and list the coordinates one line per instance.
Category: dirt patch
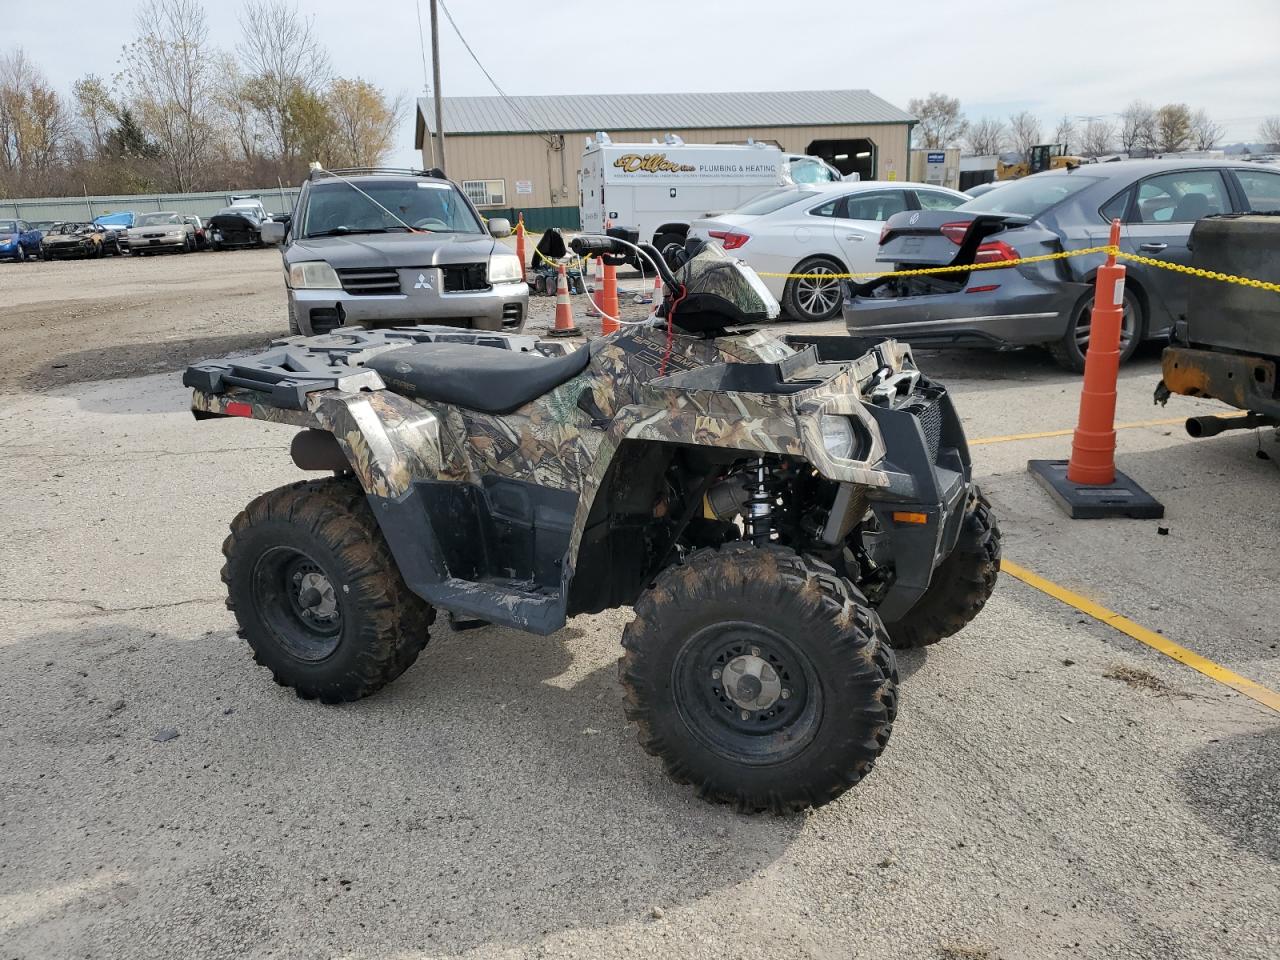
(78, 320)
(963, 951)
(1140, 679)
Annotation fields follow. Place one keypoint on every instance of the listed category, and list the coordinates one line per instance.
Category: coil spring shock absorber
(762, 492)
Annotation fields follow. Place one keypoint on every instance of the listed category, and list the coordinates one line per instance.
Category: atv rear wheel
(961, 584)
(317, 594)
(760, 676)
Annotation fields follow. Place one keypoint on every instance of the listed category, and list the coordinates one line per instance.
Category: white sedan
(817, 228)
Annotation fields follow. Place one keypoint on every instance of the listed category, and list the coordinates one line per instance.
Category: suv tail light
(993, 251)
(884, 234)
(955, 232)
(730, 240)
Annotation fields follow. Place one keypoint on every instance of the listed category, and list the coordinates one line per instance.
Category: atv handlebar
(615, 250)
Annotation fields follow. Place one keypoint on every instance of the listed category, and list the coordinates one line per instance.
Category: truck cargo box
(1228, 316)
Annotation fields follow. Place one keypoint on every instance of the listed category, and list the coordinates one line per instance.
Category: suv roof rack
(435, 172)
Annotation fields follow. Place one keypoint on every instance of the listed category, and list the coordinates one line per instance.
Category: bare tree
(35, 126)
(1065, 132)
(1269, 132)
(1099, 137)
(283, 56)
(985, 137)
(1138, 127)
(1173, 127)
(95, 109)
(1205, 134)
(1024, 133)
(939, 123)
(171, 83)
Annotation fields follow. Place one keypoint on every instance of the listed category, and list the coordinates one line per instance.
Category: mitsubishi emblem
(423, 283)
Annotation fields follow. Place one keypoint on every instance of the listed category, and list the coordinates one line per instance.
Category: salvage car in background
(118, 224)
(158, 232)
(820, 229)
(79, 240)
(18, 240)
(1050, 303)
(394, 247)
(198, 231)
(236, 226)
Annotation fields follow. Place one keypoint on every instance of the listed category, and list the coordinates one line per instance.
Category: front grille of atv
(369, 281)
(929, 412)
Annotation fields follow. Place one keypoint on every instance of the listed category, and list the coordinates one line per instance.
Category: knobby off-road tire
(814, 646)
(317, 593)
(961, 584)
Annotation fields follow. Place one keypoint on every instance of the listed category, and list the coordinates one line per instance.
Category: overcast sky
(1053, 57)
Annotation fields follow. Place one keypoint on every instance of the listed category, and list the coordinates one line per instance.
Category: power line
(510, 102)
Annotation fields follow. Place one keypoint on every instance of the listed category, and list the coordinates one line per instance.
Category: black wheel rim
(1084, 327)
(747, 692)
(299, 602)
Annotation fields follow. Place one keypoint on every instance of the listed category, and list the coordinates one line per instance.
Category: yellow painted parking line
(1213, 671)
(1168, 421)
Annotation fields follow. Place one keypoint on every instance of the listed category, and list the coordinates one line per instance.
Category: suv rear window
(1030, 196)
(336, 207)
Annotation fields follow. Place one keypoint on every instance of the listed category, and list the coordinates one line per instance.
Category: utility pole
(435, 83)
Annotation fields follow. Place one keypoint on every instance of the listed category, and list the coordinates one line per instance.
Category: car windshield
(805, 170)
(1030, 196)
(774, 200)
(336, 208)
(66, 228)
(157, 219)
(8, 226)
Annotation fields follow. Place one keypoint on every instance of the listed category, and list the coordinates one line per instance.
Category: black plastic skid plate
(1082, 501)
(297, 366)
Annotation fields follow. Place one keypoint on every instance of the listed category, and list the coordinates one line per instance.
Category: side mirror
(500, 227)
(273, 232)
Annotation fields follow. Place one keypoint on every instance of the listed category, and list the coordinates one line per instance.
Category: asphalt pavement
(1053, 788)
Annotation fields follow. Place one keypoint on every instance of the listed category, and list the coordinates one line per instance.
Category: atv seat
(487, 379)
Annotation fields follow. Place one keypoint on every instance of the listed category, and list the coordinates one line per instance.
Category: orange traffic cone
(520, 251)
(655, 297)
(1089, 485)
(597, 287)
(609, 305)
(565, 326)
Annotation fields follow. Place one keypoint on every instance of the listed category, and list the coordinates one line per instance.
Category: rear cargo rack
(297, 366)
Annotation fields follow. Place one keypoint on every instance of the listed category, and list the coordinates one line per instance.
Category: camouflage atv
(780, 515)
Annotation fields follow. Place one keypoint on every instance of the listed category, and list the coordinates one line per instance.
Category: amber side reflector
(900, 516)
(237, 409)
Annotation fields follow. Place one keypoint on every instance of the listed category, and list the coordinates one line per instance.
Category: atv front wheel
(317, 594)
(760, 676)
(961, 584)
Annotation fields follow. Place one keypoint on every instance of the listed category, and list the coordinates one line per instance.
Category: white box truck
(660, 188)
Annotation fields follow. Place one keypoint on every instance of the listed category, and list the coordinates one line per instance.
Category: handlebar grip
(594, 246)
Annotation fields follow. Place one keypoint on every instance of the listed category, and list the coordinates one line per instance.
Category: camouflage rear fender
(389, 441)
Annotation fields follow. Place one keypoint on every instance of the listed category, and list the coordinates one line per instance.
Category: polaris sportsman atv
(779, 514)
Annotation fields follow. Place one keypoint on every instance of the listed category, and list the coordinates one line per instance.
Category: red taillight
(884, 234)
(729, 239)
(237, 409)
(984, 288)
(955, 232)
(993, 251)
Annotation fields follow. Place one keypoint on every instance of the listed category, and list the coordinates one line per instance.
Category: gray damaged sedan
(379, 248)
(1050, 303)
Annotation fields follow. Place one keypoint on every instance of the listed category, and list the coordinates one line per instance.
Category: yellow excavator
(1043, 156)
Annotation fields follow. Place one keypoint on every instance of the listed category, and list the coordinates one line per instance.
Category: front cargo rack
(297, 366)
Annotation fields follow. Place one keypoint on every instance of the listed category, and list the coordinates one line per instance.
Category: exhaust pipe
(1200, 427)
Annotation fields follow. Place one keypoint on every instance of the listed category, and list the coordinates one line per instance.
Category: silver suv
(377, 248)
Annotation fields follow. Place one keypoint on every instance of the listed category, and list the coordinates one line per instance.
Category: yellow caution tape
(1002, 264)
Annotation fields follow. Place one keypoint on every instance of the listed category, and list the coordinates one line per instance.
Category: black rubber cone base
(1086, 501)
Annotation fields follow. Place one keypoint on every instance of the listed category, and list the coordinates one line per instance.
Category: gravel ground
(1052, 788)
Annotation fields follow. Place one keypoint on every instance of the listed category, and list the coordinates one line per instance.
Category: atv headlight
(504, 268)
(837, 436)
(313, 275)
